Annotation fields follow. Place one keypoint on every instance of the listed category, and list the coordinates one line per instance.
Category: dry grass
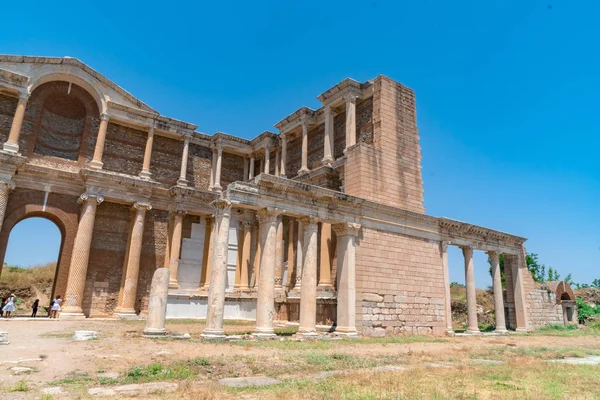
(28, 284)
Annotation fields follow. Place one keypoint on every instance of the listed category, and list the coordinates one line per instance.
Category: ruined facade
(322, 222)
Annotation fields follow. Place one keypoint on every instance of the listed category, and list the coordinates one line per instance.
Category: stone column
(328, 140)
(218, 170)
(126, 307)
(257, 253)
(350, 120)
(206, 251)
(251, 173)
(473, 327)
(182, 181)
(283, 155)
(261, 166)
(279, 254)
(5, 187)
(447, 297)
(518, 265)
(308, 292)
(175, 249)
(325, 264)
(145, 174)
(498, 297)
(267, 160)
(80, 257)
(245, 169)
(213, 169)
(291, 260)
(157, 304)
(304, 167)
(167, 259)
(101, 138)
(218, 274)
(247, 225)
(346, 272)
(299, 256)
(277, 162)
(12, 144)
(265, 301)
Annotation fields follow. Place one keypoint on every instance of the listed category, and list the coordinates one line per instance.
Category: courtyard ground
(414, 367)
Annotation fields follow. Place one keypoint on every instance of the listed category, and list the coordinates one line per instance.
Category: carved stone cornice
(13, 78)
(346, 229)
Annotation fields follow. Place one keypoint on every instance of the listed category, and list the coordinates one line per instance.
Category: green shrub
(585, 311)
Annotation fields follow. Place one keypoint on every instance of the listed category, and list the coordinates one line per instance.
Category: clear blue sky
(507, 91)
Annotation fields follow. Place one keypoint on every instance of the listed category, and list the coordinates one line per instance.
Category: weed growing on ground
(20, 386)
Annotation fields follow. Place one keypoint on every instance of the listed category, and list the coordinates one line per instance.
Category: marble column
(213, 170)
(207, 252)
(277, 162)
(447, 297)
(279, 254)
(267, 160)
(473, 327)
(167, 258)
(304, 167)
(80, 257)
(350, 120)
(328, 140)
(257, 233)
(218, 274)
(182, 181)
(518, 266)
(175, 248)
(12, 144)
(325, 256)
(157, 304)
(245, 168)
(498, 296)
(346, 282)
(299, 255)
(265, 301)
(291, 255)
(101, 138)
(251, 173)
(5, 187)
(218, 170)
(308, 292)
(146, 174)
(126, 306)
(283, 155)
(247, 225)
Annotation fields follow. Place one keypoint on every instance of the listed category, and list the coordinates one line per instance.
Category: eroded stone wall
(166, 160)
(399, 285)
(124, 149)
(544, 310)
(199, 166)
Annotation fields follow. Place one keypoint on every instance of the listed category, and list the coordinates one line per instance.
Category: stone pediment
(26, 73)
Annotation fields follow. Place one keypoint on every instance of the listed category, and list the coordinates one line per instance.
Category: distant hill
(28, 284)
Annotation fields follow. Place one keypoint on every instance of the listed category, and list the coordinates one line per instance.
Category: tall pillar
(5, 187)
(145, 174)
(277, 162)
(325, 256)
(265, 301)
(251, 173)
(101, 138)
(328, 140)
(213, 170)
(346, 272)
(12, 144)
(473, 327)
(257, 230)
(308, 292)
(247, 225)
(447, 297)
(245, 169)
(182, 181)
(175, 249)
(218, 170)
(283, 155)
(80, 257)
(299, 256)
(304, 168)
(218, 274)
(279, 254)
(167, 259)
(267, 160)
(291, 256)
(205, 279)
(518, 265)
(126, 306)
(498, 297)
(350, 120)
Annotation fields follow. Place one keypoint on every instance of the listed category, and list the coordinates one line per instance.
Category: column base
(346, 332)
(71, 316)
(173, 285)
(11, 147)
(154, 332)
(182, 182)
(284, 176)
(264, 334)
(501, 331)
(325, 286)
(309, 334)
(473, 332)
(95, 164)
(217, 188)
(521, 330)
(304, 171)
(213, 334)
(126, 314)
(327, 161)
(146, 175)
(450, 332)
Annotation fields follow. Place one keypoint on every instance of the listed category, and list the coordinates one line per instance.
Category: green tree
(538, 271)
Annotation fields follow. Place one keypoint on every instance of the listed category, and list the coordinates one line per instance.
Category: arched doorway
(30, 263)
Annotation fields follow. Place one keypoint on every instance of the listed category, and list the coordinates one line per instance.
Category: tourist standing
(34, 308)
(55, 307)
(2, 304)
(9, 308)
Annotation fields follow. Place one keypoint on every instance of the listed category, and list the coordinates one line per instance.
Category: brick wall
(166, 160)
(232, 168)
(124, 149)
(8, 106)
(399, 285)
(199, 165)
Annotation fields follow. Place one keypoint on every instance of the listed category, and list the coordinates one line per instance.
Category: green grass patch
(20, 386)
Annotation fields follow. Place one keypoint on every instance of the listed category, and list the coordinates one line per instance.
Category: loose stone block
(4, 338)
(85, 335)
(157, 306)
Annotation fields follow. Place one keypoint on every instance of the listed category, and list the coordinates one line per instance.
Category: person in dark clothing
(2, 304)
(34, 308)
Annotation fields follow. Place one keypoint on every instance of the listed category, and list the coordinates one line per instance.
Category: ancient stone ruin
(320, 223)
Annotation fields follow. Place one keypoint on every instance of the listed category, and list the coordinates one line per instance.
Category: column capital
(444, 245)
(9, 183)
(247, 224)
(350, 98)
(104, 117)
(467, 250)
(186, 136)
(178, 211)
(139, 205)
(151, 129)
(89, 196)
(283, 135)
(222, 207)
(492, 253)
(346, 228)
(268, 214)
(210, 219)
(309, 223)
(327, 109)
(24, 95)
